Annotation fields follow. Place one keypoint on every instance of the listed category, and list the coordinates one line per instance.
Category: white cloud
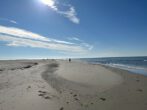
(16, 42)
(19, 37)
(27, 34)
(21, 33)
(8, 20)
(12, 21)
(70, 13)
(50, 3)
(74, 38)
(90, 47)
(81, 42)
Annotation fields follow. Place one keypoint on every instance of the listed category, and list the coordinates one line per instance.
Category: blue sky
(72, 28)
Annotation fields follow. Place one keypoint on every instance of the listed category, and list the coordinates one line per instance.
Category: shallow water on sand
(134, 64)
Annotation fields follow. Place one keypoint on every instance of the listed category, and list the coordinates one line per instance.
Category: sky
(72, 28)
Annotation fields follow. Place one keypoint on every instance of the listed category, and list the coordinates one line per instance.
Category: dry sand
(63, 85)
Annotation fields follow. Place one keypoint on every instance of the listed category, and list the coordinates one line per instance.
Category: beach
(62, 85)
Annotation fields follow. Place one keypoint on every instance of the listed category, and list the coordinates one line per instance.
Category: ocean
(134, 64)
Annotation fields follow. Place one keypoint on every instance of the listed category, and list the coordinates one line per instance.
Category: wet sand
(63, 85)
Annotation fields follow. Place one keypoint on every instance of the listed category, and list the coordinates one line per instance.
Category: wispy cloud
(12, 21)
(20, 37)
(90, 47)
(8, 20)
(74, 38)
(70, 13)
(81, 42)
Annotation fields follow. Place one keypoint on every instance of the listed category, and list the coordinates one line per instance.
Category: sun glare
(48, 2)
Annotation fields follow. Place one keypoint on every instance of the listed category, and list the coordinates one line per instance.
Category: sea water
(134, 64)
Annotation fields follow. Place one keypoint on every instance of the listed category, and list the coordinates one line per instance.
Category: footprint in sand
(40, 94)
(47, 95)
(75, 97)
(61, 108)
(137, 80)
(139, 90)
(43, 94)
(1, 70)
(35, 63)
(28, 66)
(103, 99)
(91, 103)
(29, 87)
(13, 69)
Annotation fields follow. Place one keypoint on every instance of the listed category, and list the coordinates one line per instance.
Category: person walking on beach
(69, 60)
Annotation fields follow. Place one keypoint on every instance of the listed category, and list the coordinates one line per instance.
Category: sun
(48, 2)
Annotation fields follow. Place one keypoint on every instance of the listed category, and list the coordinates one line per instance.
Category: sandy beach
(63, 85)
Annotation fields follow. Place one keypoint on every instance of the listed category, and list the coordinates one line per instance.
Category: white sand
(19, 87)
(91, 75)
(60, 85)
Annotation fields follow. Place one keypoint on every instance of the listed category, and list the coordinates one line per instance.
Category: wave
(135, 69)
(133, 64)
(125, 66)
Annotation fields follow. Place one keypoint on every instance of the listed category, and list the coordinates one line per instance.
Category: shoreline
(136, 65)
(63, 85)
